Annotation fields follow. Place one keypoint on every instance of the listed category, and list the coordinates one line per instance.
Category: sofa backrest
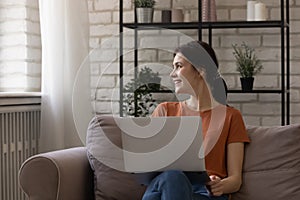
(272, 164)
(271, 167)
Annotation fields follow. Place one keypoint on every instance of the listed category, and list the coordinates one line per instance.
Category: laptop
(155, 144)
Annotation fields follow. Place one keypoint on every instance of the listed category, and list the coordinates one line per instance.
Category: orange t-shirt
(232, 130)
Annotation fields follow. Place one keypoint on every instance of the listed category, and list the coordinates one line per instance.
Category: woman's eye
(177, 66)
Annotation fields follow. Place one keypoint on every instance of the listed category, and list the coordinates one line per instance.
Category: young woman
(195, 72)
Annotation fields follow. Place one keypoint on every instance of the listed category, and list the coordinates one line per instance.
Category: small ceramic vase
(209, 13)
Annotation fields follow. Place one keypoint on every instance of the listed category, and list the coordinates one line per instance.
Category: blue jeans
(174, 185)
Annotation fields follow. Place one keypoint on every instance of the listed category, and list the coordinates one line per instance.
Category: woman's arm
(232, 183)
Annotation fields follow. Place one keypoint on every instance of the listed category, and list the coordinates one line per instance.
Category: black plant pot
(247, 83)
(154, 84)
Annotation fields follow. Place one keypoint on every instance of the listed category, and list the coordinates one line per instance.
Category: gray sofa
(271, 170)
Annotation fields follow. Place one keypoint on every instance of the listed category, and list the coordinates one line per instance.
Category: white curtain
(65, 41)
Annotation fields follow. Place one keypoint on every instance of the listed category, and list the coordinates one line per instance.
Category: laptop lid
(161, 143)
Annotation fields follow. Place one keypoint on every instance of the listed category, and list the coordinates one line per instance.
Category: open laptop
(156, 144)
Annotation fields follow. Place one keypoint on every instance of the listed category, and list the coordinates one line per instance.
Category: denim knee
(169, 185)
(174, 178)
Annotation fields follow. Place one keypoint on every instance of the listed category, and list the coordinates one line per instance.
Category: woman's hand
(215, 185)
(231, 183)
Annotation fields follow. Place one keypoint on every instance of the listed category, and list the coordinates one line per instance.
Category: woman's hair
(202, 56)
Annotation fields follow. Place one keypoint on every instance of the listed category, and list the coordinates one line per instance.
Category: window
(20, 46)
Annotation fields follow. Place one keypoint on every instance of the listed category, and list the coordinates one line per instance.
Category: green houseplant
(247, 64)
(150, 78)
(138, 100)
(144, 10)
(144, 3)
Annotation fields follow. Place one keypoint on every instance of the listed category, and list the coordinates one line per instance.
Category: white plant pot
(144, 15)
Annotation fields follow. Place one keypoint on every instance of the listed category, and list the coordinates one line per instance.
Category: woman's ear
(201, 72)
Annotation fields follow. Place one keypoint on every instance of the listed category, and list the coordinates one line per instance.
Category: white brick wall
(20, 51)
(20, 46)
(258, 109)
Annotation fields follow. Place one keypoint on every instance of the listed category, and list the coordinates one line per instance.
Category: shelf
(206, 25)
(229, 91)
(151, 91)
(282, 24)
(256, 91)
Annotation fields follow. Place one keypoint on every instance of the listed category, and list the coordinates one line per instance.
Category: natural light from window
(20, 46)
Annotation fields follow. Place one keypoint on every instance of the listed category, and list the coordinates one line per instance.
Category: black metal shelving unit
(206, 25)
(282, 24)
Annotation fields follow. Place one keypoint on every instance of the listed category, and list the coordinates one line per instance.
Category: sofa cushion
(272, 164)
(106, 160)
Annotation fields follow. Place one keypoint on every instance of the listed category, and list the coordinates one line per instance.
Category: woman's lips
(177, 81)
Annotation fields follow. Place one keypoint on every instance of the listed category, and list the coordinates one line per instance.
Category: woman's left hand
(215, 185)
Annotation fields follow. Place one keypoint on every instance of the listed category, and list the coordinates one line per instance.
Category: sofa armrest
(63, 174)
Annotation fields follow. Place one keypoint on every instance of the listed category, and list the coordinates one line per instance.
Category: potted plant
(144, 10)
(150, 78)
(247, 63)
(138, 100)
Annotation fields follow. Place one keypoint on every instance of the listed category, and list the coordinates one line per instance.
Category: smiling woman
(206, 66)
(195, 72)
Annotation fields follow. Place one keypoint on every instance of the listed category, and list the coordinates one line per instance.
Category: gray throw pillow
(109, 183)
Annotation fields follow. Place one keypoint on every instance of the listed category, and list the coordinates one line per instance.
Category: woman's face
(185, 77)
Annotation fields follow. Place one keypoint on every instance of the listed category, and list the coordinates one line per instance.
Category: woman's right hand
(215, 185)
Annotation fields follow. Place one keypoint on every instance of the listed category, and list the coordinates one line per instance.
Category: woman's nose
(173, 74)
